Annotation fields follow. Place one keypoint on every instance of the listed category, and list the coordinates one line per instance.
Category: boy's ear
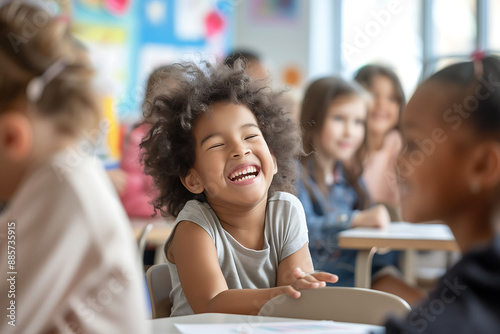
(485, 171)
(192, 182)
(16, 136)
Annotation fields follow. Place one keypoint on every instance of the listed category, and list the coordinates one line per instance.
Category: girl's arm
(376, 216)
(193, 251)
(300, 259)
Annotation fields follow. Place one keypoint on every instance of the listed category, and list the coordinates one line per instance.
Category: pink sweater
(140, 189)
(380, 171)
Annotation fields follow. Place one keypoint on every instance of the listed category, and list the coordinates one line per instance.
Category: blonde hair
(32, 41)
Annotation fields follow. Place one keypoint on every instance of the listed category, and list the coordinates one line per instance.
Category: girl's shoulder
(285, 213)
(284, 198)
(194, 207)
(283, 204)
(198, 212)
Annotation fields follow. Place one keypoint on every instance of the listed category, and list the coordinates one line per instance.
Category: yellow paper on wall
(113, 138)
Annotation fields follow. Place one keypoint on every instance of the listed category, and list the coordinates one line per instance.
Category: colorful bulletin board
(127, 39)
(176, 30)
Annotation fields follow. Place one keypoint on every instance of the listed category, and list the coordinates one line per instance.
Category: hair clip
(37, 85)
(477, 60)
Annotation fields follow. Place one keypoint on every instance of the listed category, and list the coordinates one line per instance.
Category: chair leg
(363, 271)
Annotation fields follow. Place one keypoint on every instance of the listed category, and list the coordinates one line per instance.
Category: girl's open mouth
(243, 174)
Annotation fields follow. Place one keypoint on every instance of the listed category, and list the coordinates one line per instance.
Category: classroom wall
(127, 43)
(298, 37)
(127, 40)
(281, 39)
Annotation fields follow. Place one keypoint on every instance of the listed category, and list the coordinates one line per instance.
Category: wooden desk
(162, 227)
(399, 236)
(167, 325)
(158, 235)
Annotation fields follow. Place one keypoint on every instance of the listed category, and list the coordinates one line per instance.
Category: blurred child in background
(65, 232)
(255, 69)
(384, 138)
(456, 113)
(139, 189)
(333, 119)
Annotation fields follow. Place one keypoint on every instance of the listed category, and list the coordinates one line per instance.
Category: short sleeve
(292, 229)
(199, 213)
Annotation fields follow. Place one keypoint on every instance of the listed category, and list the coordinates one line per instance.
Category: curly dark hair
(169, 147)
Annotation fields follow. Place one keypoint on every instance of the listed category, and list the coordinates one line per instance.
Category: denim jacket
(326, 218)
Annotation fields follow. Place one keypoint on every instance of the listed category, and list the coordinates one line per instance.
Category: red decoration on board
(214, 23)
(117, 7)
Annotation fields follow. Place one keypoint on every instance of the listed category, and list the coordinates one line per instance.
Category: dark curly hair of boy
(169, 147)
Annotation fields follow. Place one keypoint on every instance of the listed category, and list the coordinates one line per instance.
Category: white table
(398, 236)
(167, 325)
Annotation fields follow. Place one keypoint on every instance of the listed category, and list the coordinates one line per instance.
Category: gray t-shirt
(243, 268)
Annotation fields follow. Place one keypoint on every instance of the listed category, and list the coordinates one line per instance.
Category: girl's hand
(304, 280)
(377, 216)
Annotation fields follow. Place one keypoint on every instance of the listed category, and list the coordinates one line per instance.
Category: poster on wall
(113, 7)
(127, 39)
(105, 28)
(276, 12)
(192, 23)
(174, 31)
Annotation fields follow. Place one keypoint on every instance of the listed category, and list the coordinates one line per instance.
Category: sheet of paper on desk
(309, 327)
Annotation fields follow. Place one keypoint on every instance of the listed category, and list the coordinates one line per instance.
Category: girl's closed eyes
(250, 137)
(247, 138)
(214, 146)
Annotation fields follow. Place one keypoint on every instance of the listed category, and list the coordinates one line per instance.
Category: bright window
(385, 32)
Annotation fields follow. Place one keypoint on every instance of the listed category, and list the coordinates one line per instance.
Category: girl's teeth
(244, 172)
(245, 178)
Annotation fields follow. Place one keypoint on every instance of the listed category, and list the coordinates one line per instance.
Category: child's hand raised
(312, 280)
